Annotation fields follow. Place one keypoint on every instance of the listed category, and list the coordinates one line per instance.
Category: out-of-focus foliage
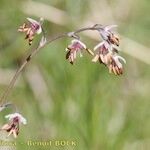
(82, 102)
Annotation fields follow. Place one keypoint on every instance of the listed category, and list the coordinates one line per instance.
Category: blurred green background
(81, 103)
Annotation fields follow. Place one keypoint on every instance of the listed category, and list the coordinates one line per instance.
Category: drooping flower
(115, 66)
(107, 54)
(31, 28)
(73, 49)
(108, 35)
(13, 126)
(100, 51)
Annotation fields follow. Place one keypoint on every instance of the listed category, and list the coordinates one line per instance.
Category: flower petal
(5, 127)
(14, 133)
(95, 59)
(98, 45)
(21, 118)
(109, 27)
(43, 41)
(114, 48)
(120, 58)
(78, 41)
(33, 21)
(10, 132)
(39, 30)
(104, 34)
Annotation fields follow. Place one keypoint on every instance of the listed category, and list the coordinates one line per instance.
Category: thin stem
(12, 82)
(74, 33)
(33, 53)
(85, 29)
(27, 60)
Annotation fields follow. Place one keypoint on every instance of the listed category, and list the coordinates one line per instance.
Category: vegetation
(82, 103)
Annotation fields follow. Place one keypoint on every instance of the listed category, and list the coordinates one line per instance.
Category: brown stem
(27, 60)
(33, 53)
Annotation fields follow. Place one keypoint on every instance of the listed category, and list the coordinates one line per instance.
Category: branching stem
(33, 52)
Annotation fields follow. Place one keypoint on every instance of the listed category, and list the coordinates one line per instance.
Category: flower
(115, 65)
(107, 51)
(108, 35)
(101, 50)
(31, 28)
(13, 126)
(107, 54)
(75, 47)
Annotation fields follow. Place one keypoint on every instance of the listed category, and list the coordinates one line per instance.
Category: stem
(85, 29)
(33, 53)
(74, 33)
(12, 82)
(27, 60)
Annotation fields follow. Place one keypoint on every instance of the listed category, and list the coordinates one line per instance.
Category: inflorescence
(106, 52)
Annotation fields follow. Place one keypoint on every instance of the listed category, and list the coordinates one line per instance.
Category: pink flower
(13, 126)
(31, 28)
(101, 50)
(73, 49)
(108, 35)
(106, 54)
(115, 66)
